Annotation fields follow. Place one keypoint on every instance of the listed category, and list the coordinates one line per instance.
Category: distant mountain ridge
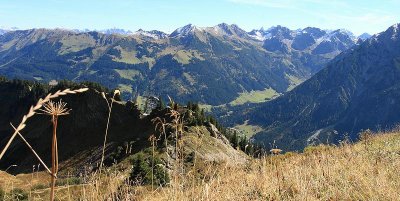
(191, 63)
(259, 34)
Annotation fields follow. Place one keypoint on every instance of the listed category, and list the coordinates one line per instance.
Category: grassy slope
(255, 97)
(248, 130)
(364, 171)
(367, 170)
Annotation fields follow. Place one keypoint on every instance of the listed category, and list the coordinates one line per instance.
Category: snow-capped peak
(151, 34)
(185, 30)
(230, 30)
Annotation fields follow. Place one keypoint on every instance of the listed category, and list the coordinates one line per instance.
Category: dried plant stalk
(109, 105)
(54, 110)
(33, 109)
(153, 140)
(33, 151)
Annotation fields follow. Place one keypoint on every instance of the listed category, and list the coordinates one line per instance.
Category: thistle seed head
(55, 108)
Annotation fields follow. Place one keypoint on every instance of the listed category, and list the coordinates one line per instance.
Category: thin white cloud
(290, 4)
(334, 13)
(266, 3)
(357, 22)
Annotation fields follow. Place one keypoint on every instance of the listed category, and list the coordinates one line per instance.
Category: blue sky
(359, 16)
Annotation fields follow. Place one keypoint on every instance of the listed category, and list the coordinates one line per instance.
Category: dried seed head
(117, 92)
(152, 138)
(103, 95)
(55, 108)
(275, 151)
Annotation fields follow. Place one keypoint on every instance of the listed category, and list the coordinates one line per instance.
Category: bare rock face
(210, 148)
(213, 130)
(216, 133)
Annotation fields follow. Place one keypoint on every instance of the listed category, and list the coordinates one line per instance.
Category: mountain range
(291, 88)
(190, 64)
(358, 90)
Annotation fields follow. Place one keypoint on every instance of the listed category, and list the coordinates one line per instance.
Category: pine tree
(161, 104)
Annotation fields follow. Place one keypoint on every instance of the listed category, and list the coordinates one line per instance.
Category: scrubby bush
(19, 194)
(142, 170)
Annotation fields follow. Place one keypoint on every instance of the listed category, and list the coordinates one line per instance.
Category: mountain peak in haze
(116, 31)
(364, 36)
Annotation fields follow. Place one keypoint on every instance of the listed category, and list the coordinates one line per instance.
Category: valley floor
(367, 170)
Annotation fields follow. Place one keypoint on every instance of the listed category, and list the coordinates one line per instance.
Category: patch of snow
(258, 36)
(185, 30)
(347, 32)
(396, 27)
(151, 34)
(216, 29)
(395, 31)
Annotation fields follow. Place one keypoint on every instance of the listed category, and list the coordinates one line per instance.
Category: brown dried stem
(33, 151)
(54, 110)
(109, 105)
(33, 109)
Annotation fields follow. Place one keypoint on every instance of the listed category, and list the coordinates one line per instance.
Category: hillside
(358, 90)
(363, 171)
(190, 64)
(77, 132)
(81, 133)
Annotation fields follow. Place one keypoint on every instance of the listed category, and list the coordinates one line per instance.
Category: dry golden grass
(348, 172)
(367, 170)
